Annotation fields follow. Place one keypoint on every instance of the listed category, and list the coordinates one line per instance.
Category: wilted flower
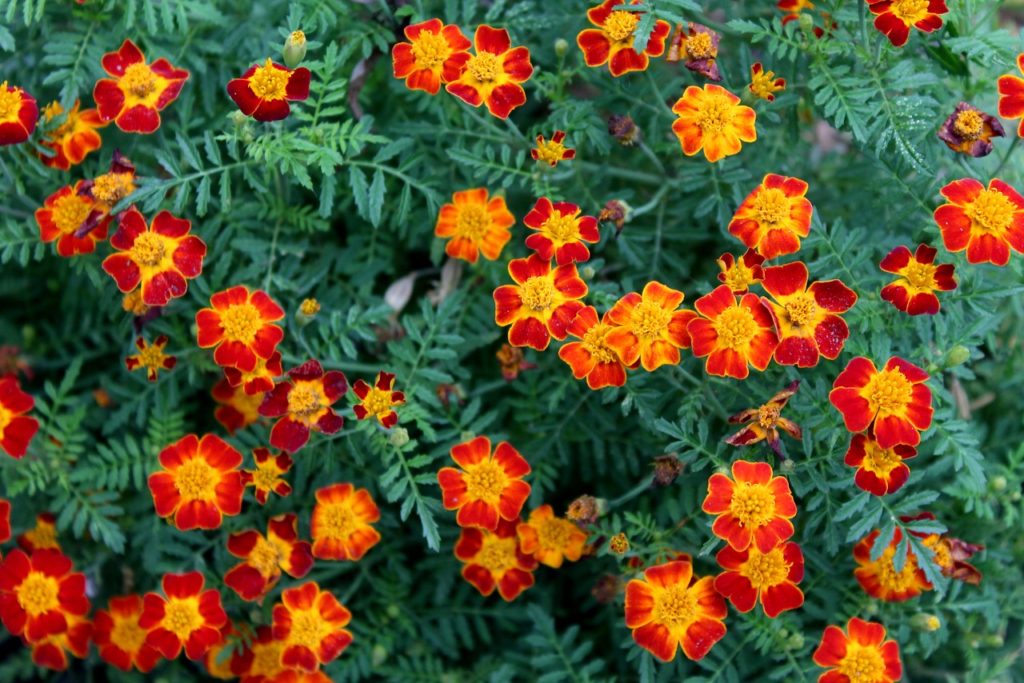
(969, 130)
(624, 129)
(764, 423)
(667, 469)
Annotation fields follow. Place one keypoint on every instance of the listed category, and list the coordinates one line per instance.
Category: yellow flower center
(305, 399)
(991, 212)
(969, 124)
(649, 321)
(920, 275)
(763, 84)
(484, 67)
(378, 401)
(497, 555)
(538, 293)
(765, 570)
(621, 25)
(309, 307)
(553, 533)
(151, 357)
(768, 415)
(149, 249)
(485, 481)
(265, 477)
(473, 222)
(674, 606)
(430, 50)
(550, 151)
(132, 303)
(771, 206)
(888, 393)
(890, 579)
(738, 278)
(940, 547)
(52, 110)
(182, 617)
(10, 102)
(69, 212)
(268, 82)
(241, 322)
(735, 327)
(266, 556)
(308, 629)
(752, 504)
(338, 521)
(127, 635)
(266, 658)
(715, 113)
(44, 534)
(878, 460)
(802, 309)
(910, 11)
(196, 480)
(37, 594)
(110, 188)
(139, 80)
(700, 46)
(561, 228)
(593, 341)
(862, 664)
(297, 38)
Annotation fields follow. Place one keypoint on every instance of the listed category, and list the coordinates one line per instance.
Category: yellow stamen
(561, 228)
(430, 50)
(127, 635)
(306, 399)
(920, 275)
(700, 46)
(338, 520)
(269, 82)
(550, 152)
(473, 222)
(69, 212)
(308, 629)
(378, 401)
(969, 124)
(110, 188)
(10, 103)
(753, 505)
(149, 249)
(139, 80)
(38, 594)
(888, 393)
(197, 480)
(771, 207)
(802, 309)
(484, 67)
(538, 293)
(909, 11)
(765, 570)
(594, 342)
(714, 113)
(182, 617)
(880, 461)
(735, 327)
(675, 607)
(241, 322)
(649, 321)
(621, 25)
(497, 555)
(485, 481)
(862, 664)
(768, 415)
(991, 212)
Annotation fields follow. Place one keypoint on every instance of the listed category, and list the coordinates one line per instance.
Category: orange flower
(541, 304)
(919, 278)
(552, 151)
(550, 539)
(73, 139)
(732, 334)
(186, 616)
(151, 357)
(266, 478)
(988, 223)
(199, 482)
(260, 379)
(16, 428)
(138, 92)
(763, 83)
(671, 608)
(612, 41)
(311, 622)
(752, 506)
(120, 639)
(863, 655)
(879, 578)
(592, 357)
(63, 214)
(379, 400)
(493, 75)
(476, 225)
(40, 595)
(494, 559)
(740, 273)
(764, 423)
(895, 17)
(806, 318)
(18, 114)
(263, 92)
(879, 470)
(43, 536)
(341, 523)
(712, 119)
(561, 231)
(436, 53)
(303, 402)
(489, 487)
(239, 325)
(771, 578)
(236, 409)
(774, 217)
(52, 651)
(265, 557)
(649, 328)
(1011, 95)
(894, 404)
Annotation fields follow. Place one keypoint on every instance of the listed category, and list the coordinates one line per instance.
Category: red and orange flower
(476, 225)
(764, 423)
(436, 53)
(561, 231)
(712, 119)
(764, 84)
(138, 92)
(341, 524)
(40, 595)
(16, 427)
(893, 403)
(592, 357)
(895, 18)
(1011, 95)
(236, 409)
(489, 487)
(52, 651)
(185, 616)
(63, 214)
(550, 539)
(260, 379)
(311, 623)
(74, 138)
(5, 520)
(107, 190)
(770, 578)
(913, 292)
(303, 402)
(774, 216)
(612, 41)
(988, 223)
(239, 324)
(649, 328)
(552, 151)
(671, 608)
(43, 536)
(268, 477)
(263, 92)
(265, 557)
(493, 75)
(18, 114)
(120, 639)
(740, 273)
(879, 578)
(494, 559)
(861, 653)
(541, 304)
(151, 357)
(879, 470)
(753, 507)
(732, 334)
(378, 401)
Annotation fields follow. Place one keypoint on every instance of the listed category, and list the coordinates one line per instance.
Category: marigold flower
(263, 92)
(649, 328)
(18, 114)
(138, 92)
(239, 325)
(774, 216)
(199, 482)
(227, 655)
(52, 651)
(379, 400)
(43, 536)
(740, 273)
(303, 402)
(879, 578)
(552, 151)
(671, 608)
(764, 423)
(986, 222)
(586, 510)
(770, 578)
(266, 478)
(236, 409)
(120, 639)
(493, 558)
(896, 17)
(893, 403)
(861, 653)
(879, 470)
(489, 487)
(1011, 95)
(512, 361)
(309, 307)
(794, 6)
(699, 48)
(951, 554)
(667, 469)
(752, 506)
(493, 75)
(763, 83)
(265, 557)
(260, 379)
(151, 357)
(619, 544)
(712, 119)
(561, 231)
(16, 428)
(108, 189)
(341, 523)
(541, 304)
(5, 520)
(436, 53)
(261, 660)
(185, 616)
(550, 539)
(968, 130)
(919, 278)
(40, 595)
(592, 357)
(476, 225)
(612, 41)
(74, 138)
(63, 213)
(732, 334)
(311, 623)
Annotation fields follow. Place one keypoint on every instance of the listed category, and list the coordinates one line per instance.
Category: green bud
(588, 272)
(957, 356)
(393, 611)
(806, 22)
(294, 49)
(795, 642)
(994, 640)
(399, 437)
(998, 483)
(787, 466)
(926, 622)
(561, 47)
(378, 655)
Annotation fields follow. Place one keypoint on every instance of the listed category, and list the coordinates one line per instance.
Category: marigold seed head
(624, 130)
(586, 510)
(618, 544)
(667, 469)
(294, 49)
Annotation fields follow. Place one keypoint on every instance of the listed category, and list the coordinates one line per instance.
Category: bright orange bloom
(311, 622)
(774, 217)
(73, 139)
(732, 334)
(151, 357)
(771, 578)
(341, 523)
(763, 83)
(43, 536)
(120, 639)
(561, 231)
(240, 325)
(671, 608)
(199, 482)
(185, 616)
(494, 559)
(806, 318)
(236, 409)
(893, 403)
(52, 651)
(879, 470)
(541, 304)
(265, 557)
(436, 53)
(764, 423)
(303, 402)
(988, 223)
(18, 114)
(260, 379)
(16, 428)
(896, 17)
(592, 357)
(612, 41)
(1011, 95)
(40, 595)
(489, 487)
(752, 506)
(913, 292)
(476, 225)
(263, 92)
(649, 328)
(63, 214)
(740, 273)
(550, 539)
(266, 478)
(552, 151)
(379, 400)
(859, 654)
(493, 75)
(712, 119)
(879, 578)
(138, 92)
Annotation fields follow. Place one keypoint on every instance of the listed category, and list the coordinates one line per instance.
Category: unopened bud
(994, 640)
(787, 466)
(957, 356)
(398, 437)
(618, 544)
(795, 641)
(378, 655)
(806, 22)
(561, 47)
(998, 483)
(588, 272)
(307, 311)
(925, 622)
(294, 49)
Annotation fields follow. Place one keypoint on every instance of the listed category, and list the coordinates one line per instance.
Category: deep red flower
(185, 616)
(138, 91)
(16, 428)
(303, 402)
(263, 92)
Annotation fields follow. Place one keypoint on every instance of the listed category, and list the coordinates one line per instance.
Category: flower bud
(588, 272)
(379, 654)
(398, 437)
(998, 483)
(957, 356)
(795, 641)
(294, 49)
(994, 640)
(561, 47)
(787, 466)
(806, 22)
(925, 622)
(618, 544)
(307, 311)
